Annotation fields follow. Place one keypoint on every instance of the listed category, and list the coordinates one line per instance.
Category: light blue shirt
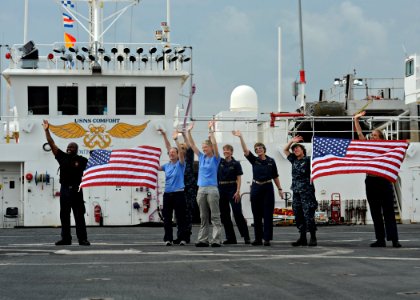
(207, 170)
(174, 176)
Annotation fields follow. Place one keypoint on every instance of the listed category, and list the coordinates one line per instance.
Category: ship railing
(109, 56)
(364, 89)
(393, 127)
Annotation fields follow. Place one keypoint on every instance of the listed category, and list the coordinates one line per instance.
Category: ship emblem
(97, 136)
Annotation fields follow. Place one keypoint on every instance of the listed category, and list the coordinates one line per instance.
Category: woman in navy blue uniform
(229, 179)
(380, 196)
(264, 171)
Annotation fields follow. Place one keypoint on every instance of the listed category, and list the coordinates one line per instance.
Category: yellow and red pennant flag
(69, 40)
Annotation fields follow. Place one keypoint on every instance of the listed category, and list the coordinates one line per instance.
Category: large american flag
(332, 156)
(125, 167)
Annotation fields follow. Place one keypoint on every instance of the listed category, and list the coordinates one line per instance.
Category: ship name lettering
(82, 120)
(106, 120)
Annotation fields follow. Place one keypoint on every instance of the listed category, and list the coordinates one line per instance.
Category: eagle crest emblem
(97, 136)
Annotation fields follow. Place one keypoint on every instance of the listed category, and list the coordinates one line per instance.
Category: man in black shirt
(71, 198)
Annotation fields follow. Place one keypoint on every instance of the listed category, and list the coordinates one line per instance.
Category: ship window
(125, 100)
(67, 100)
(154, 100)
(38, 100)
(409, 67)
(96, 100)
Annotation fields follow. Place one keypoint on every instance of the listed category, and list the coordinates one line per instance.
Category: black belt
(70, 186)
(227, 182)
(261, 182)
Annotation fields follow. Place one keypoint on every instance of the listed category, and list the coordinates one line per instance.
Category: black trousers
(72, 199)
(174, 202)
(262, 206)
(380, 196)
(227, 201)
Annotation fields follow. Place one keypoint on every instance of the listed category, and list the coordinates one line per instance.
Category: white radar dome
(243, 98)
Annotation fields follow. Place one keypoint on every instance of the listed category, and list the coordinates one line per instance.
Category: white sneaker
(182, 243)
(168, 243)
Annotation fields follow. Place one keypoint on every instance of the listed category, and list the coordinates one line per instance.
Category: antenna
(405, 51)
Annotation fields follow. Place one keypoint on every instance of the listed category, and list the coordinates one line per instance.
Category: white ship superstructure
(101, 96)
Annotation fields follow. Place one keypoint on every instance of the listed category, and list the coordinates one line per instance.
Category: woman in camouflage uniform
(304, 201)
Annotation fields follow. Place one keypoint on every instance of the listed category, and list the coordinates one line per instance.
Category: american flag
(125, 167)
(332, 156)
(67, 21)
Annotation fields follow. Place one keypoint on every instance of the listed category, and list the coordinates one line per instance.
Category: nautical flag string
(125, 167)
(67, 21)
(332, 156)
(67, 3)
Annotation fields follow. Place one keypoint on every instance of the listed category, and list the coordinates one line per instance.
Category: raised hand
(360, 114)
(190, 126)
(237, 133)
(211, 124)
(297, 139)
(175, 135)
(45, 124)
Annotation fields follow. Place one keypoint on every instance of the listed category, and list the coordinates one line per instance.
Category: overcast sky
(235, 41)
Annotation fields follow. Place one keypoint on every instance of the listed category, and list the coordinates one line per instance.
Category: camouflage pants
(304, 206)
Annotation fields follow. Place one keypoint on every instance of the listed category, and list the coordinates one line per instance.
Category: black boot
(396, 244)
(312, 241)
(378, 243)
(302, 241)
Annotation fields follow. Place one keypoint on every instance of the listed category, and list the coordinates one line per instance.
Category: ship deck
(132, 263)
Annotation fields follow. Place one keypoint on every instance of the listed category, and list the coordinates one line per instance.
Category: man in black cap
(71, 197)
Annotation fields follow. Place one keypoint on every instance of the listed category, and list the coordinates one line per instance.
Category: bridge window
(409, 67)
(154, 100)
(97, 100)
(67, 100)
(125, 100)
(38, 100)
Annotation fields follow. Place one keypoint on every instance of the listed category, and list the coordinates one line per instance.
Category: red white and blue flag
(331, 156)
(124, 167)
(67, 21)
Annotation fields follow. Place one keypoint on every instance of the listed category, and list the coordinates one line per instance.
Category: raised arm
(50, 141)
(181, 154)
(186, 139)
(243, 145)
(357, 125)
(165, 138)
(213, 139)
(191, 140)
(293, 140)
